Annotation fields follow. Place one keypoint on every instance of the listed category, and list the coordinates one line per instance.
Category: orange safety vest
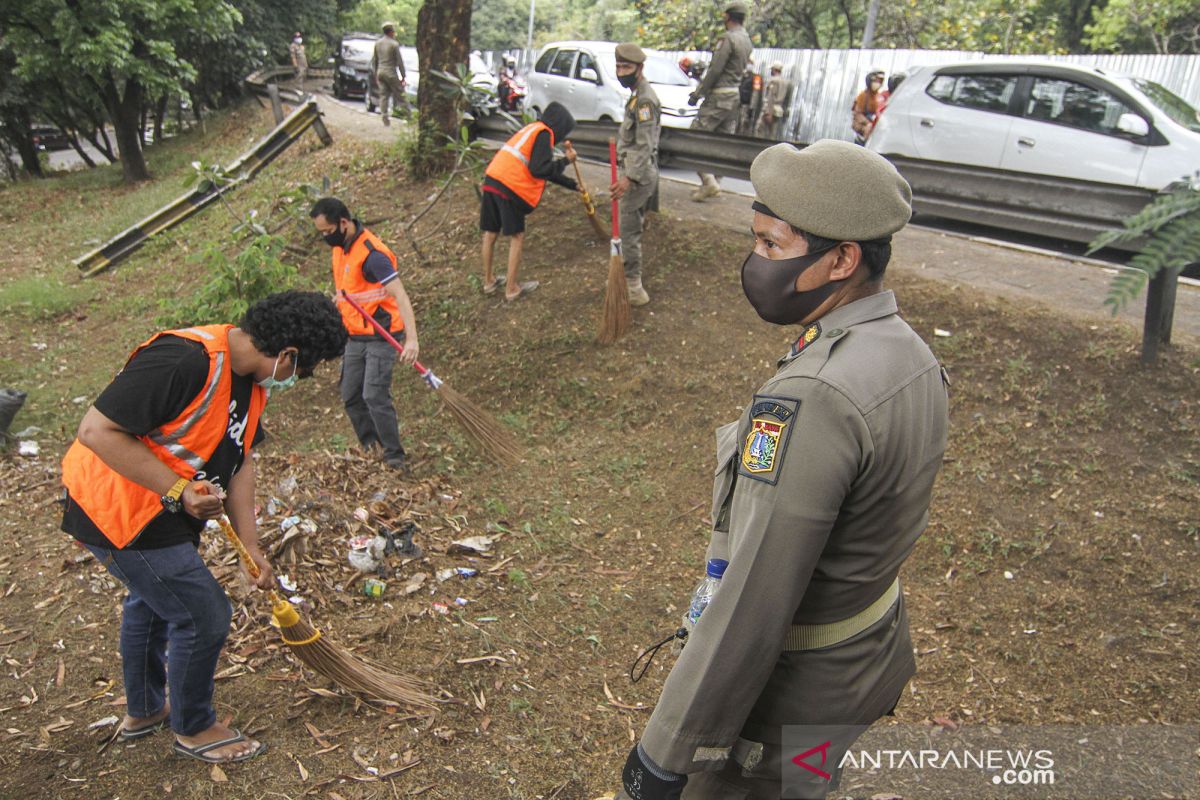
(510, 165)
(121, 508)
(348, 275)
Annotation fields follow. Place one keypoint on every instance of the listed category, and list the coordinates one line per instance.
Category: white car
(1045, 118)
(583, 77)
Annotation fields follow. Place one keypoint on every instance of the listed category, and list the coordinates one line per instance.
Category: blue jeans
(175, 606)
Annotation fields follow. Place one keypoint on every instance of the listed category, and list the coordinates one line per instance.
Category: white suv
(583, 77)
(1046, 118)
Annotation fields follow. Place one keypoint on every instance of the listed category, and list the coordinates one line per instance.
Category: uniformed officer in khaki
(637, 154)
(822, 489)
(387, 65)
(774, 105)
(719, 89)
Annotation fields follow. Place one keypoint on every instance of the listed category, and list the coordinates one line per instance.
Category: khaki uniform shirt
(821, 490)
(299, 59)
(386, 58)
(728, 62)
(637, 140)
(775, 95)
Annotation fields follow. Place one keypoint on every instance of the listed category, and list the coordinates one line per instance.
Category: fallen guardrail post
(244, 169)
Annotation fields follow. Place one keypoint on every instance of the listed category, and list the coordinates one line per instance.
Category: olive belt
(815, 637)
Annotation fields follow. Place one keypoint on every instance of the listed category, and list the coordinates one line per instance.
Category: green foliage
(37, 298)
(369, 15)
(1171, 226)
(234, 284)
(685, 24)
(1137, 26)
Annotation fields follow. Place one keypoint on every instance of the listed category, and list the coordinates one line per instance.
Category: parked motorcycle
(512, 89)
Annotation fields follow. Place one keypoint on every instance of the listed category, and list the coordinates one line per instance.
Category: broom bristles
(496, 441)
(352, 673)
(615, 321)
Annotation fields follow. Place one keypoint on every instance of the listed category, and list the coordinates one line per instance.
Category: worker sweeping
(512, 188)
(364, 269)
(165, 447)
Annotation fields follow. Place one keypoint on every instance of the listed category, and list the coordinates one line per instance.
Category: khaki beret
(738, 7)
(630, 53)
(833, 189)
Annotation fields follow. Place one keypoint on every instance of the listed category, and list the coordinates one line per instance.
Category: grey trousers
(366, 386)
(633, 212)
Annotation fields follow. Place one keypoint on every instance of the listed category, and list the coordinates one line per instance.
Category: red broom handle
(612, 160)
(424, 371)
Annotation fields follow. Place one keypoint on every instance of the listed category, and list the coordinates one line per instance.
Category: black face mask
(335, 239)
(628, 81)
(770, 286)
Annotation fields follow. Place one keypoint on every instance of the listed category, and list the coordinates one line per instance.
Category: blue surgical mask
(273, 384)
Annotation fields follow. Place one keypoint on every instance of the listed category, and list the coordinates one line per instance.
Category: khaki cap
(777, 65)
(833, 189)
(738, 7)
(630, 53)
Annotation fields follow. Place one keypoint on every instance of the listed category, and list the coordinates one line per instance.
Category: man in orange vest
(512, 189)
(165, 447)
(365, 269)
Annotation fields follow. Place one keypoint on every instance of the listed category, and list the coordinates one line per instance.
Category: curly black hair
(308, 321)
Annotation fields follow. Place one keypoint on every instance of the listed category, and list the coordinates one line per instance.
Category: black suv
(352, 64)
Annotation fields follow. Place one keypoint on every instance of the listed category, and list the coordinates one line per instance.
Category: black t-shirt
(155, 387)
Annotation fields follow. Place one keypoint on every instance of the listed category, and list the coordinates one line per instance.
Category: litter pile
(349, 542)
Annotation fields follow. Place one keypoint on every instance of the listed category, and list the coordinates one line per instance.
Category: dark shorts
(500, 215)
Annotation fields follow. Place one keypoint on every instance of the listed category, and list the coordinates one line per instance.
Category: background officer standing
(822, 490)
(637, 154)
(299, 58)
(774, 105)
(387, 65)
(719, 112)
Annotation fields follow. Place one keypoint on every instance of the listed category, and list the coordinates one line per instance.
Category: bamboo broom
(326, 658)
(615, 321)
(588, 205)
(496, 442)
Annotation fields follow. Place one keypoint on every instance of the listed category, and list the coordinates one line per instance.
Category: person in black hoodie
(512, 188)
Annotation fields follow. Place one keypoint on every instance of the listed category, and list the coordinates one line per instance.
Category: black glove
(693, 99)
(643, 780)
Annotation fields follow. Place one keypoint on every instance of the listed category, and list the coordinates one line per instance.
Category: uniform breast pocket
(723, 479)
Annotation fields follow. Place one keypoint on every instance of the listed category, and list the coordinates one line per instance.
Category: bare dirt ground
(1057, 582)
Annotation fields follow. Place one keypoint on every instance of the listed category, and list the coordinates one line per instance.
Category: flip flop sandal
(491, 290)
(200, 753)
(129, 734)
(528, 287)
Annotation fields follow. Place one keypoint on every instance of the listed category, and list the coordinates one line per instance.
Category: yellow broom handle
(251, 567)
(236, 541)
(587, 198)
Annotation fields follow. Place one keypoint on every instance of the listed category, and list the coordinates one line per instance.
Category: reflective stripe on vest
(121, 508)
(510, 165)
(373, 297)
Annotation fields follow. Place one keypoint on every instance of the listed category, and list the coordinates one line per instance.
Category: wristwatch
(170, 500)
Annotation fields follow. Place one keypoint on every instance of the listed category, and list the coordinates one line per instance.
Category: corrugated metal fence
(826, 81)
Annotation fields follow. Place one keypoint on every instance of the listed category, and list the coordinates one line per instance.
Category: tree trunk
(126, 112)
(160, 114)
(17, 122)
(443, 40)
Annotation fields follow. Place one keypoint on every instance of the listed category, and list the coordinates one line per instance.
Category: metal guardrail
(243, 170)
(1060, 208)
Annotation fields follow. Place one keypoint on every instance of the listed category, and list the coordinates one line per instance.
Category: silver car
(1047, 118)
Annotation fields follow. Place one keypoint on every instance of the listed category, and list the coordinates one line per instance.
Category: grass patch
(39, 298)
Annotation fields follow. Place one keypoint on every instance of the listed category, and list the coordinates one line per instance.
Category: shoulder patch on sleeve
(645, 112)
(765, 444)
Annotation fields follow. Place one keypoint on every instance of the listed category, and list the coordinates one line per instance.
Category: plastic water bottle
(706, 589)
